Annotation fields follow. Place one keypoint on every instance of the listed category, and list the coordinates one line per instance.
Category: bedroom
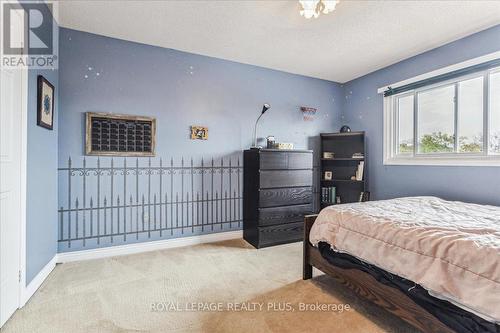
(163, 163)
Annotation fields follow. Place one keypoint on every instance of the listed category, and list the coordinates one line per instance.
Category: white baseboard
(37, 281)
(119, 250)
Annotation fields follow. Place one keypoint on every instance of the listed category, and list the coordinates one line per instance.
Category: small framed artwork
(328, 155)
(45, 103)
(328, 175)
(199, 133)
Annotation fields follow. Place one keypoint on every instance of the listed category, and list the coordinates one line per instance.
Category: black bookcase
(343, 165)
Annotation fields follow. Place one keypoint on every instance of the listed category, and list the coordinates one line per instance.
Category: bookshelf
(343, 166)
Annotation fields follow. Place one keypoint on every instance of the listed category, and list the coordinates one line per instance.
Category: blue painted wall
(41, 192)
(363, 110)
(180, 89)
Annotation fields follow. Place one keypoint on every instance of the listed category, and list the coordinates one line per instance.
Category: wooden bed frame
(365, 285)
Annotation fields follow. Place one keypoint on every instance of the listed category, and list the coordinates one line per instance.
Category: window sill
(444, 161)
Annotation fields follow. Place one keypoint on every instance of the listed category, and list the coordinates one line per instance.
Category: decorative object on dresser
(277, 193)
(347, 165)
(120, 135)
(271, 142)
(284, 145)
(265, 107)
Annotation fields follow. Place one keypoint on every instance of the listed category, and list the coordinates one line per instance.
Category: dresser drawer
(285, 196)
(285, 178)
(285, 160)
(300, 161)
(273, 160)
(279, 234)
(282, 215)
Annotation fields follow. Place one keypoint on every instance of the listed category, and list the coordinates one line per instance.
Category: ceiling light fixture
(312, 8)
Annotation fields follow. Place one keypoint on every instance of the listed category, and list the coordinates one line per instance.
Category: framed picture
(199, 133)
(328, 154)
(111, 134)
(45, 103)
(328, 175)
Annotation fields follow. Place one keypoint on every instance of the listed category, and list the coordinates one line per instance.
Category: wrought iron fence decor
(128, 199)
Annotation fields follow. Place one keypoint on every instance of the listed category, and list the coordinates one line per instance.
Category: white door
(11, 96)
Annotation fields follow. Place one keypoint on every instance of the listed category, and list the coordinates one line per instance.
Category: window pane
(405, 124)
(495, 113)
(436, 120)
(470, 116)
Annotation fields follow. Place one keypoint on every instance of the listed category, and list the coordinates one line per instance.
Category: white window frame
(390, 137)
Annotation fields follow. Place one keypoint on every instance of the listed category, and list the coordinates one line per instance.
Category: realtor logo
(28, 35)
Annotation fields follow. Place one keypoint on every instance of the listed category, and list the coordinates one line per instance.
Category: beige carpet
(117, 295)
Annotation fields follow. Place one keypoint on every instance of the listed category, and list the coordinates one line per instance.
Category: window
(436, 120)
(494, 123)
(452, 122)
(405, 124)
(470, 115)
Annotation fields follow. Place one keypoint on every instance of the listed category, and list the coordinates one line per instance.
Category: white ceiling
(357, 38)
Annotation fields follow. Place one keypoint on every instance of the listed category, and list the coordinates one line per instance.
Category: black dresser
(277, 193)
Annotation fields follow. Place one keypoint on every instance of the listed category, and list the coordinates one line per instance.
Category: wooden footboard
(368, 287)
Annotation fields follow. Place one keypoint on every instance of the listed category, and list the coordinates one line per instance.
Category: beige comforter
(450, 248)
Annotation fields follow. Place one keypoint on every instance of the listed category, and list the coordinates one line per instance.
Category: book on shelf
(328, 194)
(364, 196)
(360, 170)
(358, 156)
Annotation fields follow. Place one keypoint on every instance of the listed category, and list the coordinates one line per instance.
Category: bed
(449, 251)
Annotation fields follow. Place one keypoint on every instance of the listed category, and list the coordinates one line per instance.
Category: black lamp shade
(265, 107)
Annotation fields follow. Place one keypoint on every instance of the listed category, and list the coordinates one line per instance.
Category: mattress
(452, 249)
(459, 320)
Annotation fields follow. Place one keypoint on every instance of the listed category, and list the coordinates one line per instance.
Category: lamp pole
(265, 107)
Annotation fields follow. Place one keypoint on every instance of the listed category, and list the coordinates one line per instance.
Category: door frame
(23, 181)
(20, 183)
(25, 291)
(24, 163)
